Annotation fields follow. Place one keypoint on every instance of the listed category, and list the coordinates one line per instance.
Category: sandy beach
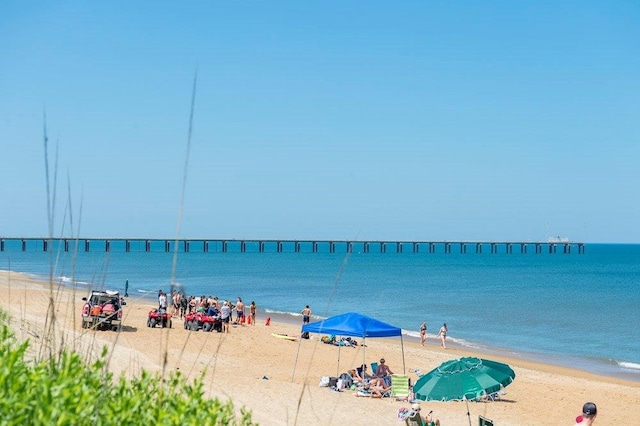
(256, 370)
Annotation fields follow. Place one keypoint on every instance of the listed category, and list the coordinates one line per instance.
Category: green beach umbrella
(465, 379)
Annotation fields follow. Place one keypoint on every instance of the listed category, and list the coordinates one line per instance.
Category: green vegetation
(68, 391)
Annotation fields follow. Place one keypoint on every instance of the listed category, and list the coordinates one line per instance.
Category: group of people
(442, 334)
(210, 306)
(374, 385)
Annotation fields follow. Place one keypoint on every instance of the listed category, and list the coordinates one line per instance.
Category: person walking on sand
(443, 334)
(423, 333)
(306, 314)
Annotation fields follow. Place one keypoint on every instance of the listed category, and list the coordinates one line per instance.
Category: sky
(412, 121)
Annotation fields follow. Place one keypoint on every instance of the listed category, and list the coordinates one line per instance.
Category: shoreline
(277, 379)
(601, 369)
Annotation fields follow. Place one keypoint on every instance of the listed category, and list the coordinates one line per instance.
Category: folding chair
(400, 387)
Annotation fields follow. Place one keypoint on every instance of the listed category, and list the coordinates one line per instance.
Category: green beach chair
(400, 387)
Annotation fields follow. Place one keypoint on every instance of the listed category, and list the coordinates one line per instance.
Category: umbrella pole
(338, 366)
(364, 355)
(468, 414)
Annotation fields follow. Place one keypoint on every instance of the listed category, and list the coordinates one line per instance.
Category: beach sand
(256, 370)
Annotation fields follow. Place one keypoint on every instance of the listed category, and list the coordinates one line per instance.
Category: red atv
(163, 319)
(197, 320)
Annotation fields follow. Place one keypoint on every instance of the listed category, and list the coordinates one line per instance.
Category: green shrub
(67, 391)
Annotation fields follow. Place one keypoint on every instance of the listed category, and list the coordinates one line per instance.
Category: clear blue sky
(425, 120)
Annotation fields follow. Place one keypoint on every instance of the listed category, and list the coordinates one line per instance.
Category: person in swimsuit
(252, 312)
(443, 334)
(240, 311)
(423, 333)
(306, 314)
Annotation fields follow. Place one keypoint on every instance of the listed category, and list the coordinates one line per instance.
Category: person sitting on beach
(383, 369)
(384, 372)
(589, 413)
(212, 311)
(362, 375)
(374, 390)
(416, 418)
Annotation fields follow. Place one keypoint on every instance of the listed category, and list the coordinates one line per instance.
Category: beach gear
(467, 378)
(353, 324)
(400, 387)
(284, 336)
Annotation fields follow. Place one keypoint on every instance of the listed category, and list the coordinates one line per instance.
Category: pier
(288, 246)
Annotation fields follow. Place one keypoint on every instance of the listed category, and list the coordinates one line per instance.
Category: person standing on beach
(443, 334)
(252, 312)
(239, 311)
(225, 316)
(306, 314)
(162, 302)
(423, 333)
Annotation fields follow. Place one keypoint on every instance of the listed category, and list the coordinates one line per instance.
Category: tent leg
(404, 368)
(293, 374)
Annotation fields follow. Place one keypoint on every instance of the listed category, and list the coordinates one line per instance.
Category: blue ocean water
(580, 310)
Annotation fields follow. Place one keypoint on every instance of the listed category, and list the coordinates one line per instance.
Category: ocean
(577, 310)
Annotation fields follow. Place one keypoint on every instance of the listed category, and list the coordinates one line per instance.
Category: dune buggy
(197, 320)
(156, 317)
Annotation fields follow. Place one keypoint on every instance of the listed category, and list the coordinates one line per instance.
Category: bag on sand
(324, 382)
(347, 380)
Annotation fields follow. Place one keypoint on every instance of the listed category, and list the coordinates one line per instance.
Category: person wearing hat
(589, 413)
(225, 316)
(416, 419)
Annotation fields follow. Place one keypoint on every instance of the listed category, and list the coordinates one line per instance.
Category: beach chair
(414, 419)
(483, 421)
(374, 368)
(400, 387)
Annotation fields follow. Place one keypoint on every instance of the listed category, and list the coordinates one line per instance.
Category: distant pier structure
(287, 246)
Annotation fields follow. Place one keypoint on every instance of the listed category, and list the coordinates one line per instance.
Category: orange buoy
(249, 320)
(268, 321)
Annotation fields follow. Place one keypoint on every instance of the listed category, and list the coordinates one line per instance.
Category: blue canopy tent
(353, 324)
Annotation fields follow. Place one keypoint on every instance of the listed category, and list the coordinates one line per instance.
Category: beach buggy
(102, 310)
(162, 318)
